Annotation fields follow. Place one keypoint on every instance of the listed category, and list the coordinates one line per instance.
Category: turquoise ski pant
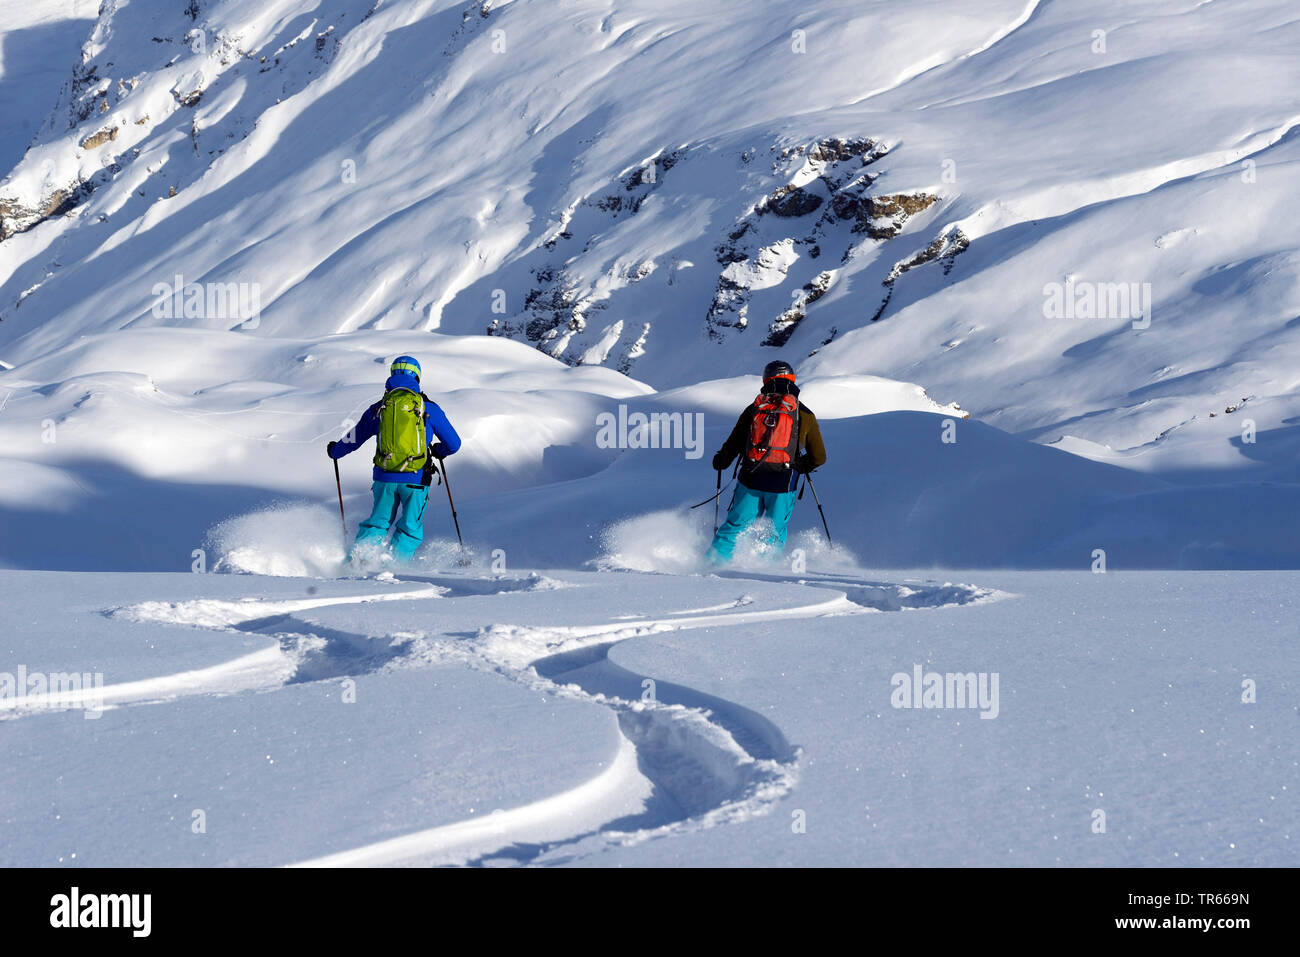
(392, 498)
(746, 506)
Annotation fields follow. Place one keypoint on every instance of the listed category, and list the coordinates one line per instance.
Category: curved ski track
(686, 760)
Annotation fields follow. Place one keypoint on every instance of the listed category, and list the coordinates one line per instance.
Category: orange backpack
(773, 433)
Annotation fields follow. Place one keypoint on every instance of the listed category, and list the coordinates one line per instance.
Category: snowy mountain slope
(1034, 259)
(275, 775)
(900, 493)
(314, 643)
(135, 468)
(1117, 694)
(899, 496)
(649, 719)
(366, 186)
(38, 43)
(436, 166)
(906, 488)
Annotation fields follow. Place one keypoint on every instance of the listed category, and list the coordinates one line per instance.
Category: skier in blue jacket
(396, 491)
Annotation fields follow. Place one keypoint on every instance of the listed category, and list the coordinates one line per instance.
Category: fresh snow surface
(377, 178)
(629, 718)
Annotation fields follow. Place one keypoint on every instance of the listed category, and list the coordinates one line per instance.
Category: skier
(405, 423)
(768, 436)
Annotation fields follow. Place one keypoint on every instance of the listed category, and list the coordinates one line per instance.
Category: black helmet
(778, 369)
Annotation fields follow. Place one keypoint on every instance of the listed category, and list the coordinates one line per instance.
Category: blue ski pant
(746, 506)
(394, 499)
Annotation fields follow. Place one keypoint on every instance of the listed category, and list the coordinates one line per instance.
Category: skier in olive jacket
(777, 439)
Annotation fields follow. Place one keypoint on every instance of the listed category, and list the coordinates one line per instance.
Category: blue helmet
(405, 365)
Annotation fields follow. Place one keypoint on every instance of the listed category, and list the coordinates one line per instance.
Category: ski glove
(720, 462)
(430, 470)
(804, 464)
(329, 450)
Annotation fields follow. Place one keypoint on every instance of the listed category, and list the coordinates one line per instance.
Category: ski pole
(718, 498)
(808, 479)
(338, 484)
(446, 482)
(712, 497)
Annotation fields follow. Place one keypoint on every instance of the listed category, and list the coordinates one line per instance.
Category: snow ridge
(686, 760)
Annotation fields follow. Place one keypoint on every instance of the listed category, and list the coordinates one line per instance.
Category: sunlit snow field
(575, 211)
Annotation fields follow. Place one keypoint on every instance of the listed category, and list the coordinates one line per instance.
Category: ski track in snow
(686, 759)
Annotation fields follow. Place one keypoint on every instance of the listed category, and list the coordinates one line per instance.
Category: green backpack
(401, 436)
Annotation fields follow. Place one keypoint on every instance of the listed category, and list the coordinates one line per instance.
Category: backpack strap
(758, 411)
